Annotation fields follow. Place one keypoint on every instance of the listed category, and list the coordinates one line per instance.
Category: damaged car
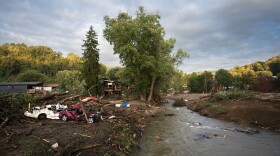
(75, 113)
(45, 112)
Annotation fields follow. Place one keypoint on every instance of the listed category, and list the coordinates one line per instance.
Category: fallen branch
(69, 98)
(85, 148)
(4, 122)
(84, 135)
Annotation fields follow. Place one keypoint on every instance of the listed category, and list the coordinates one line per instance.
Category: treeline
(20, 62)
(18, 58)
(241, 77)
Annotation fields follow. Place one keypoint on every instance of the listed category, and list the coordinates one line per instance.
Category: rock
(169, 114)
(55, 145)
(225, 136)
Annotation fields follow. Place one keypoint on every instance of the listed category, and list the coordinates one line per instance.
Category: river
(190, 134)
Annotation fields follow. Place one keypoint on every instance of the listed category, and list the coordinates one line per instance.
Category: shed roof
(52, 85)
(21, 83)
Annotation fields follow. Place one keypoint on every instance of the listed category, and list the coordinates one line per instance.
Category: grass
(214, 108)
(124, 136)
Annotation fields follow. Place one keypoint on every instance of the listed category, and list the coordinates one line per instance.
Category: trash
(54, 146)
(122, 105)
(225, 136)
(112, 117)
(89, 98)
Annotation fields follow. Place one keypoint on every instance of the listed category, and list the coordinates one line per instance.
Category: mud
(116, 136)
(258, 109)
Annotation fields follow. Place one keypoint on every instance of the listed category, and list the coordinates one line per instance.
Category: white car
(43, 112)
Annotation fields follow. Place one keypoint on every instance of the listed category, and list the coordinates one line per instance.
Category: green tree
(223, 77)
(193, 83)
(31, 76)
(206, 80)
(71, 81)
(140, 44)
(91, 67)
(261, 74)
(113, 73)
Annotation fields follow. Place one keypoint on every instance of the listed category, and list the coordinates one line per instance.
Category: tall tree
(223, 77)
(91, 67)
(142, 49)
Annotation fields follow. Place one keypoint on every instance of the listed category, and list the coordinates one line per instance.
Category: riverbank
(257, 109)
(115, 136)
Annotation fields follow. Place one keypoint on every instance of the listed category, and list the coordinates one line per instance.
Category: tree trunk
(152, 89)
(143, 95)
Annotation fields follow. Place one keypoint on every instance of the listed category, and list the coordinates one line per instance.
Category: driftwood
(4, 122)
(85, 148)
(68, 98)
(50, 96)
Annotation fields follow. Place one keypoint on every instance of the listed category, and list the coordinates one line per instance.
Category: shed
(19, 87)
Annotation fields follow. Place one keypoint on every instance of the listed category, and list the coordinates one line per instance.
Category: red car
(76, 114)
(71, 114)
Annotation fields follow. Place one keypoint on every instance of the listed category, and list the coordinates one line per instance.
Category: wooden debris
(4, 122)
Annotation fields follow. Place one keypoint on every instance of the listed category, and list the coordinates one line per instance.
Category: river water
(189, 134)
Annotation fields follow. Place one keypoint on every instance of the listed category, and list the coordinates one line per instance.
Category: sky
(216, 33)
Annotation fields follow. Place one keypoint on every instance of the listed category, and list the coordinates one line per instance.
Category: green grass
(214, 108)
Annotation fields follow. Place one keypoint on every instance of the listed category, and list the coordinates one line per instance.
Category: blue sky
(216, 33)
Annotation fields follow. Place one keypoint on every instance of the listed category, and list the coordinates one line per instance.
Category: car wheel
(42, 116)
(64, 118)
(90, 120)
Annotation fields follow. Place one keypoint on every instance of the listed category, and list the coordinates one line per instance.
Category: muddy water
(189, 134)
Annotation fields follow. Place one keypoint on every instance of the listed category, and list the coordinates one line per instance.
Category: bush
(20, 100)
(228, 95)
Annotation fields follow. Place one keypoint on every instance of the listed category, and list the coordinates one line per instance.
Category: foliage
(124, 134)
(228, 95)
(141, 47)
(20, 100)
(70, 81)
(261, 74)
(113, 73)
(178, 81)
(200, 82)
(223, 77)
(32, 76)
(103, 70)
(274, 64)
(91, 68)
(17, 58)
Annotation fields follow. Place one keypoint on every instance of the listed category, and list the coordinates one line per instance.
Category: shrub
(228, 95)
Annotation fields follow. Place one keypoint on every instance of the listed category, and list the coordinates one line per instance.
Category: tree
(223, 77)
(261, 74)
(112, 73)
(70, 81)
(141, 47)
(32, 75)
(91, 68)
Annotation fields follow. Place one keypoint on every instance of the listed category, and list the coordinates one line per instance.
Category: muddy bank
(258, 109)
(116, 136)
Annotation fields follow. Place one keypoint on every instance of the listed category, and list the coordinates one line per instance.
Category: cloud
(216, 33)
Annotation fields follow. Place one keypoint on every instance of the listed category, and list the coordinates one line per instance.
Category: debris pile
(118, 131)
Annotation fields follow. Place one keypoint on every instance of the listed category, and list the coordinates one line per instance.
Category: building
(48, 87)
(20, 87)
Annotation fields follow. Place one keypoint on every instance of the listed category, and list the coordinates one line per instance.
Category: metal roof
(21, 83)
